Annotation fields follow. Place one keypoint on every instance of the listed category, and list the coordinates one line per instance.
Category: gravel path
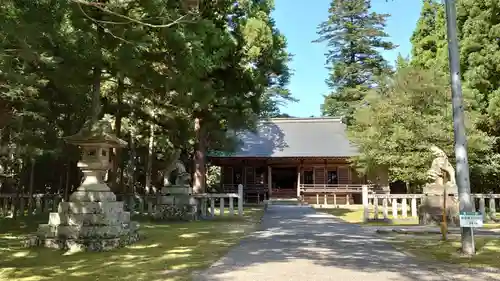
(297, 243)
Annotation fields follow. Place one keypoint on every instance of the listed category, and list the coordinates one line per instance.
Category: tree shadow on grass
(168, 251)
(432, 246)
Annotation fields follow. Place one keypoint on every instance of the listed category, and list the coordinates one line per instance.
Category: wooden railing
(331, 188)
(407, 205)
(256, 192)
(249, 188)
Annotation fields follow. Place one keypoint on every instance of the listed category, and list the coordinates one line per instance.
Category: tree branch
(103, 8)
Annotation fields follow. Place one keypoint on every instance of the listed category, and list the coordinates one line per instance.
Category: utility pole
(462, 175)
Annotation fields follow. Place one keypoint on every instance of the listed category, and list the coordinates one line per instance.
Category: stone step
(90, 244)
(88, 219)
(80, 232)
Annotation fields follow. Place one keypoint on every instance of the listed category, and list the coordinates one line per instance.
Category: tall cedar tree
(479, 26)
(429, 44)
(354, 37)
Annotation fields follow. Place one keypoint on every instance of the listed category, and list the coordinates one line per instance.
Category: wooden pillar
(244, 173)
(326, 172)
(222, 176)
(299, 170)
(270, 180)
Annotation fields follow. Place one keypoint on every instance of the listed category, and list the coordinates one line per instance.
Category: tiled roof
(296, 137)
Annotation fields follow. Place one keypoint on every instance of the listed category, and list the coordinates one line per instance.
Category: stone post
(212, 207)
(231, 206)
(482, 207)
(394, 208)
(493, 211)
(221, 206)
(385, 203)
(240, 199)
(366, 211)
(414, 207)
(404, 208)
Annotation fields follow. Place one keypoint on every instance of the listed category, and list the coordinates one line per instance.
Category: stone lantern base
(88, 226)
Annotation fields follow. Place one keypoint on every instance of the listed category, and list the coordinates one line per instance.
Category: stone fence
(211, 197)
(20, 205)
(403, 206)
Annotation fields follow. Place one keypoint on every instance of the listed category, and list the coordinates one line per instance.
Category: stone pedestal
(177, 203)
(92, 226)
(431, 208)
(92, 219)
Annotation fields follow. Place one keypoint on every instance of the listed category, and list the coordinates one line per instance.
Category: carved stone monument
(92, 219)
(442, 176)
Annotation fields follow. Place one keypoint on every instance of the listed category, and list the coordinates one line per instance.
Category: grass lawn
(168, 251)
(491, 225)
(431, 247)
(356, 216)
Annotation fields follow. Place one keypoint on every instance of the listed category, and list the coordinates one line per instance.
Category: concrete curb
(426, 232)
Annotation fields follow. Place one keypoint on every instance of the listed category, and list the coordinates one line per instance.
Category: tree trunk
(116, 180)
(96, 76)
(149, 162)
(30, 185)
(66, 186)
(199, 181)
(131, 170)
(96, 93)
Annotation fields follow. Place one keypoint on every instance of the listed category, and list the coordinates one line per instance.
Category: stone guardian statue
(442, 178)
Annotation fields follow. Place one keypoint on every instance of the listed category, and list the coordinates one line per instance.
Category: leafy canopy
(399, 123)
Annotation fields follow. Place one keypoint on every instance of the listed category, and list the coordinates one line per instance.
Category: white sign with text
(471, 219)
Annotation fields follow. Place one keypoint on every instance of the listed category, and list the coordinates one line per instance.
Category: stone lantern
(96, 141)
(92, 219)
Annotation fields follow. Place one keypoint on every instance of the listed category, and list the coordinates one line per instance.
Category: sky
(298, 21)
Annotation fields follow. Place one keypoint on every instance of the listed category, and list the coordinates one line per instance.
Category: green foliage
(155, 67)
(354, 38)
(213, 176)
(402, 62)
(479, 58)
(397, 128)
(429, 44)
